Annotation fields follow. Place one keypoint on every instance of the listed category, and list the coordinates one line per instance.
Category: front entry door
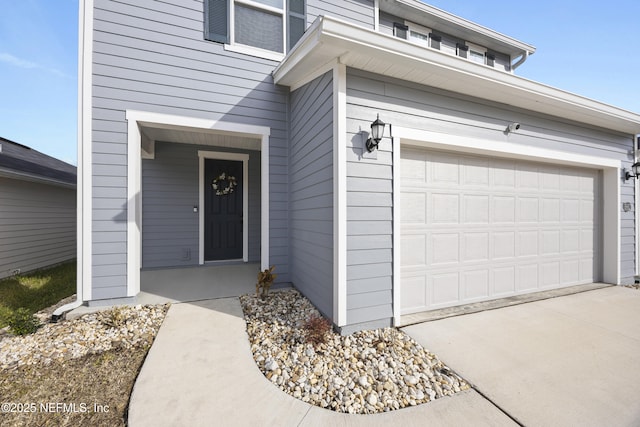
(223, 209)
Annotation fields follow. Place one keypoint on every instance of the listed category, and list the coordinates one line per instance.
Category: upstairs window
(265, 28)
(478, 54)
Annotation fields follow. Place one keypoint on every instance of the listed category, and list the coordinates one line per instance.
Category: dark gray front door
(223, 209)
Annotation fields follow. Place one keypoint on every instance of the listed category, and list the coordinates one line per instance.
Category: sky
(586, 47)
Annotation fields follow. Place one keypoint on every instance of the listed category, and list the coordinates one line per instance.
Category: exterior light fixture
(513, 127)
(377, 132)
(633, 173)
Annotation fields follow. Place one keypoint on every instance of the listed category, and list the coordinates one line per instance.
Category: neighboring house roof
(329, 40)
(21, 162)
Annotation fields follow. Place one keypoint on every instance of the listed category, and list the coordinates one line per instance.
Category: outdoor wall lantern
(634, 173)
(377, 132)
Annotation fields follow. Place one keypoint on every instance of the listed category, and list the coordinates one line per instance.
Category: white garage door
(477, 228)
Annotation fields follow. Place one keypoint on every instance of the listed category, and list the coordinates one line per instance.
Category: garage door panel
(503, 209)
(475, 247)
(528, 209)
(504, 281)
(550, 275)
(504, 175)
(446, 208)
(444, 170)
(413, 250)
(570, 271)
(445, 289)
(527, 177)
(475, 284)
(570, 241)
(445, 248)
(475, 228)
(476, 209)
(550, 210)
(504, 245)
(550, 242)
(475, 172)
(550, 179)
(413, 206)
(527, 279)
(414, 293)
(528, 243)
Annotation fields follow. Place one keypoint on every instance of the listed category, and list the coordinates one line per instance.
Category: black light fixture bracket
(633, 173)
(377, 132)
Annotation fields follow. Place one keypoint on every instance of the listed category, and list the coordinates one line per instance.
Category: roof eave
(23, 176)
(508, 44)
(329, 39)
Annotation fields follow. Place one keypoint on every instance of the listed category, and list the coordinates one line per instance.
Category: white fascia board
(383, 54)
(23, 176)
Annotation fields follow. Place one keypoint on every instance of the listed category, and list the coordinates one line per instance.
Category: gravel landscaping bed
(121, 327)
(365, 372)
(76, 372)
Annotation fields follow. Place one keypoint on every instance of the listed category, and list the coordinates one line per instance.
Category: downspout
(60, 311)
(520, 61)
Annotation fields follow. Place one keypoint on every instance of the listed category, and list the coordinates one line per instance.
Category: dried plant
(265, 280)
(316, 329)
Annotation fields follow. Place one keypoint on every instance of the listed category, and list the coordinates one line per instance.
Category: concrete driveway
(566, 361)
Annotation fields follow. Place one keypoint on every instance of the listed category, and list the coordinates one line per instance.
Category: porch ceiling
(329, 40)
(186, 135)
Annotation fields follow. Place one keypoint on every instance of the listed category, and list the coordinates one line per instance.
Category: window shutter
(400, 30)
(296, 21)
(435, 41)
(216, 20)
(463, 50)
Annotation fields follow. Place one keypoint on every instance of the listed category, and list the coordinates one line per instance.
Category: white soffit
(329, 39)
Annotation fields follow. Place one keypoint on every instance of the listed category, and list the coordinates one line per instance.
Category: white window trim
(479, 49)
(252, 50)
(418, 29)
(219, 155)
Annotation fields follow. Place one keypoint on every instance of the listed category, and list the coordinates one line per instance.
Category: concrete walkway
(567, 361)
(200, 372)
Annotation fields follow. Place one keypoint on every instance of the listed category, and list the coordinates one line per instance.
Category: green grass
(36, 290)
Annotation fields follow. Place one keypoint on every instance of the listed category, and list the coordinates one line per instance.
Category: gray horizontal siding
(427, 108)
(359, 12)
(170, 190)
(152, 56)
(37, 225)
(311, 191)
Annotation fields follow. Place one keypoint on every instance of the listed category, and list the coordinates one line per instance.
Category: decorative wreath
(224, 184)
